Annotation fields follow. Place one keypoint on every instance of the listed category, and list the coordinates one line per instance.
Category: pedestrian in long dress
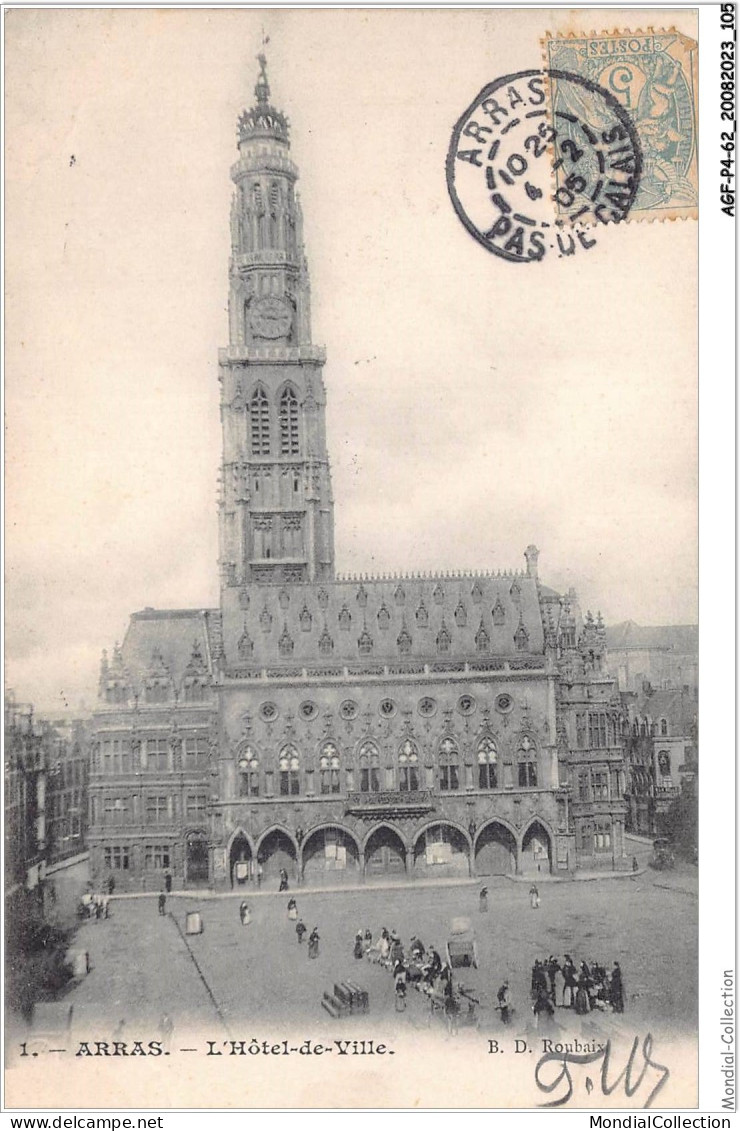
(313, 943)
(400, 980)
(616, 989)
(538, 984)
(503, 998)
(452, 1008)
(570, 982)
(292, 910)
(534, 897)
(244, 913)
(583, 1002)
(553, 968)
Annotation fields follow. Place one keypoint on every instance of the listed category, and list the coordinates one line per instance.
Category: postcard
(352, 546)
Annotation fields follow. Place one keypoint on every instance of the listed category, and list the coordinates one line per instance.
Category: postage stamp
(518, 172)
(654, 76)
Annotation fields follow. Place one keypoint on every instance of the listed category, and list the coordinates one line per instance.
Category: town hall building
(340, 728)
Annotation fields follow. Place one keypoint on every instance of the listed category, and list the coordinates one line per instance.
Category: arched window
(249, 773)
(288, 423)
(329, 768)
(527, 760)
(290, 765)
(449, 771)
(369, 768)
(487, 768)
(259, 415)
(408, 764)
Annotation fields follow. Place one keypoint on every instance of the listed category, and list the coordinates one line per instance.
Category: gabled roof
(169, 633)
(366, 618)
(672, 638)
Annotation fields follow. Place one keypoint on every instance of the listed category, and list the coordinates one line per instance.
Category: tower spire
(276, 498)
(263, 120)
(262, 89)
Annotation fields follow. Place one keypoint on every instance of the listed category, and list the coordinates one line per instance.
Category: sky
(474, 405)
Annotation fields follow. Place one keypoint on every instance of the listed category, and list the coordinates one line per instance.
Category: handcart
(461, 947)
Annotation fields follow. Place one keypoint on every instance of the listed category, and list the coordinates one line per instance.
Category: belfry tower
(276, 505)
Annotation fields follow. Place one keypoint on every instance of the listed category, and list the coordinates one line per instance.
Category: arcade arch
(495, 850)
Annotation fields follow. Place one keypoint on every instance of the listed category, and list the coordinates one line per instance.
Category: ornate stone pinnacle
(262, 89)
(263, 120)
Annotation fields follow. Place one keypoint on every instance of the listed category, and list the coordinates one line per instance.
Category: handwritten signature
(639, 1064)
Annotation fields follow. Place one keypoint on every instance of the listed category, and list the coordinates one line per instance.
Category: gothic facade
(340, 728)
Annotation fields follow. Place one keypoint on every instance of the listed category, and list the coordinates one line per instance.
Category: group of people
(245, 918)
(584, 988)
(421, 967)
(94, 905)
(301, 928)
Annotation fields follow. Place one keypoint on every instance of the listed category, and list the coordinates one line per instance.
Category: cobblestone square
(257, 980)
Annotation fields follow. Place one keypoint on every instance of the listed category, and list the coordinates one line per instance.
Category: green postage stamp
(653, 74)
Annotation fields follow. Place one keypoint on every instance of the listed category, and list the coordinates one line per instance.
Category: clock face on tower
(270, 318)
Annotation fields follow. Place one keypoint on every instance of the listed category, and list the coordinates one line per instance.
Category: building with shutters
(342, 728)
